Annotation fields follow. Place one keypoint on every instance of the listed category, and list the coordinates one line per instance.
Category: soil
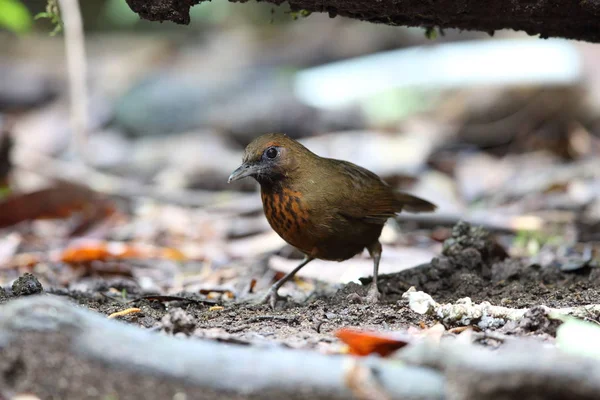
(471, 265)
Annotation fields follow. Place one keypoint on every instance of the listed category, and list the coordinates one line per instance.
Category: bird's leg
(272, 295)
(373, 295)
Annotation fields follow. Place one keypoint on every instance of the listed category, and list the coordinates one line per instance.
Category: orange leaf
(363, 343)
(102, 251)
(172, 254)
(85, 254)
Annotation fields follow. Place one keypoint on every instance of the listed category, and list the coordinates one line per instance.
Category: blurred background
(499, 131)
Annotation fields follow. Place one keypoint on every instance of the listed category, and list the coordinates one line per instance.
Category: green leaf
(14, 16)
(431, 33)
(42, 15)
(52, 13)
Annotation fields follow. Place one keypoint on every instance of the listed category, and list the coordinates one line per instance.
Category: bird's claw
(373, 295)
(271, 298)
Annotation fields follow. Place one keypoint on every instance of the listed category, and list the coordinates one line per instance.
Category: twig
(77, 69)
(132, 310)
(282, 318)
(237, 329)
(78, 92)
(173, 298)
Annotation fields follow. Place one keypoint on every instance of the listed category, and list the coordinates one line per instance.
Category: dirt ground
(471, 265)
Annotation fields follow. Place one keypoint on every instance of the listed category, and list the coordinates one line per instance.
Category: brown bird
(328, 209)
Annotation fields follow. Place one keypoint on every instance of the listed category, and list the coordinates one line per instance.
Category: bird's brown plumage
(328, 209)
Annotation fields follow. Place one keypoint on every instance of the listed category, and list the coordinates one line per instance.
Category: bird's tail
(410, 203)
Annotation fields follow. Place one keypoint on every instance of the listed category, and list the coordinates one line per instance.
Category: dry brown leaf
(6, 145)
(60, 201)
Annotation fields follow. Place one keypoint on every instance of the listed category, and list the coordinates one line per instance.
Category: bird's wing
(373, 200)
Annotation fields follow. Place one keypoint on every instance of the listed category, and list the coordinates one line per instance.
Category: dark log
(547, 18)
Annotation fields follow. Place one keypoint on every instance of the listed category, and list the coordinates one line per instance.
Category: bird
(328, 209)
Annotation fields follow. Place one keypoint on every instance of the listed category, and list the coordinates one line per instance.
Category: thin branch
(77, 69)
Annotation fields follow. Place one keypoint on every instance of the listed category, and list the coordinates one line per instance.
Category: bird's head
(270, 158)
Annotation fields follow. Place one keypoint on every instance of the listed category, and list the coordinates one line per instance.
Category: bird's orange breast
(288, 216)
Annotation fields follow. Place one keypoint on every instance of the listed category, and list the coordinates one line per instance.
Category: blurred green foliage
(14, 16)
(53, 14)
(533, 241)
(119, 13)
(300, 14)
(109, 15)
(4, 191)
(393, 105)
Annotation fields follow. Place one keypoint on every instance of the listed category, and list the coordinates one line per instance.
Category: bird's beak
(243, 171)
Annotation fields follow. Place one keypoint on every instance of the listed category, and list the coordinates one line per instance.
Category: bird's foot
(373, 295)
(271, 298)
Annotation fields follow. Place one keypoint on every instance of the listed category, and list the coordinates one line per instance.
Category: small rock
(27, 285)
(4, 295)
(536, 320)
(24, 86)
(467, 240)
(464, 236)
(354, 298)
(178, 321)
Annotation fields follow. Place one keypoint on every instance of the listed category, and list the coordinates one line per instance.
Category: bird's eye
(271, 152)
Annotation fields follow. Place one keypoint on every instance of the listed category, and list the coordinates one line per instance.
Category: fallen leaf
(132, 310)
(60, 201)
(461, 329)
(363, 343)
(102, 251)
(85, 254)
(252, 285)
(6, 146)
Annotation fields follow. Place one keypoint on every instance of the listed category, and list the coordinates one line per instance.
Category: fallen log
(547, 18)
(53, 349)
(524, 370)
